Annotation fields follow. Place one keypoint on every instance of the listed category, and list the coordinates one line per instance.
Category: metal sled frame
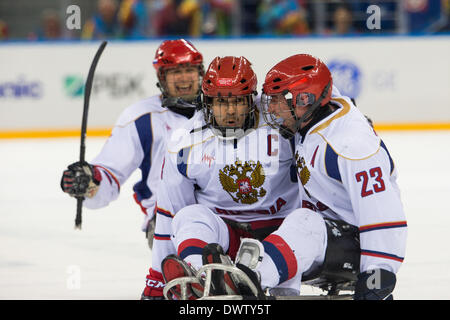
(183, 282)
(205, 273)
(209, 268)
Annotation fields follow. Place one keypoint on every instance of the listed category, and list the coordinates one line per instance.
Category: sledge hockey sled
(204, 277)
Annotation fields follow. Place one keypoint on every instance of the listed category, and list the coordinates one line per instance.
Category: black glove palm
(80, 180)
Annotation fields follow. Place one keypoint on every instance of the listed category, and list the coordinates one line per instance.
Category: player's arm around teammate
(231, 177)
(352, 221)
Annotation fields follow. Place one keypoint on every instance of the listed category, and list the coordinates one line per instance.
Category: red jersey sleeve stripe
(144, 210)
(383, 255)
(282, 255)
(158, 236)
(110, 175)
(384, 225)
(163, 212)
(190, 246)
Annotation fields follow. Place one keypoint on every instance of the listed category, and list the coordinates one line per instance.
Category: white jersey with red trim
(245, 179)
(347, 173)
(137, 141)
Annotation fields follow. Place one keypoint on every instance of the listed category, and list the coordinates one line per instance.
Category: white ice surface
(42, 256)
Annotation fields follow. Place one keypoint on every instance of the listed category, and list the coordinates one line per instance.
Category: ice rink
(43, 257)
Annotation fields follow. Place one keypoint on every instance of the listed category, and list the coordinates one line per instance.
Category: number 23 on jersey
(367, 179)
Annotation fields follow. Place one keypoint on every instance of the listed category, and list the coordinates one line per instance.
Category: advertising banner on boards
(392, 79)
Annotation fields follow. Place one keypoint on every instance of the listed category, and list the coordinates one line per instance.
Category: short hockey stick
(87, 95)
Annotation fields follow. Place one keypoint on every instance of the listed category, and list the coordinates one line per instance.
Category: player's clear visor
(276, 109)
(305, 99)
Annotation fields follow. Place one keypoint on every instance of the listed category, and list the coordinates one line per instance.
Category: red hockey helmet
(306, 78)
(172, 53)
(229, 76)
(229, 82)
(300, 73)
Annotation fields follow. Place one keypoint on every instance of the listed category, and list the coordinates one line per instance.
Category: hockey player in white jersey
(138, 138)
(229, 176)
(352, 226)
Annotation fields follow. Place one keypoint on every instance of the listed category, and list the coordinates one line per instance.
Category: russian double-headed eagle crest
(302, 170)
(243, 181)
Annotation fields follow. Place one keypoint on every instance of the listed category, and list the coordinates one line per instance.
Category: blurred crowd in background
(141, 19)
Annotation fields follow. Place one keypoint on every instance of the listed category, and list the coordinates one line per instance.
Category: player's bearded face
(183, 82)
(230, 112)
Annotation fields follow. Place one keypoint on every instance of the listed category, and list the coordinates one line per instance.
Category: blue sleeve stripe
(383, 226)
(331, 164)
(158, 236)
(144, 128)
(182, 161)
(278, 259)
(190, 251)
(390, 159)
(163, 212)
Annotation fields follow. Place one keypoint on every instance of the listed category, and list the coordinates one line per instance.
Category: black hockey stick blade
(87, 95)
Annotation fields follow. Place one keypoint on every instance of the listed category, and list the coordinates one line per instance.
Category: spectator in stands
(217, 17)
(50, 27)
(195, 18)
(342, 19)
(446, 15)
(167, 20)
(427, 16)
(133, 19)
(4, 31)
(282, 17)
(104, 23)
(190, 12)
(249, 17)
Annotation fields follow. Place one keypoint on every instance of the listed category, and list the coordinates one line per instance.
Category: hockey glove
(154, 286)
(81, 180)
(375, 284)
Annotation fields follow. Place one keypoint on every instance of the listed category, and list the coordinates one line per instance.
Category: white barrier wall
(393, 79)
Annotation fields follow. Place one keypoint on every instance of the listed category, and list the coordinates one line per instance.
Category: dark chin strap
(179, 102)
(309, 114)
(286, 132)
(180, 106)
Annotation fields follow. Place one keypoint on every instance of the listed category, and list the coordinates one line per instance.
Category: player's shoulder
(347, 131)
(191, 133)
(335, 92)
(138, 109)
